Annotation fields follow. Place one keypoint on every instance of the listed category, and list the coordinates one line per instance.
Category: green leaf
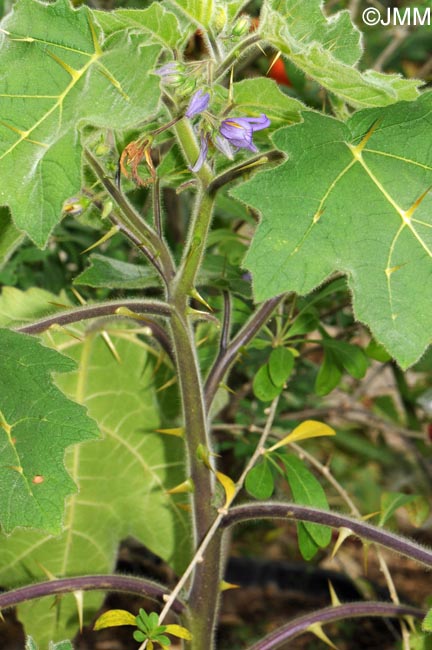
(10, 237)
(263, 387)
(123, 481)
(280, 364)
(307, 491)
(201, 12)
(160, 25)
(392, 501)
(37, 424)
(418, 510)
(376, 351)
(326, 50)
(107, 272)
(259, 480)
(335, 205)
(51, 87)
(427, 622)
(308, 548)
(305, 322)
(19, 307)
(217, 271)
(234, 7)
(261, 95)
(329, 374)
(348, 356)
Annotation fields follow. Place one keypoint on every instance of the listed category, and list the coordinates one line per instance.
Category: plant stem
(204, 590)
(199, 555)
(235, 54)
(245, 167)
(149, 240)
(224, 362)
(151, 307)
(302, 624)
(274, 510)
(126, 584)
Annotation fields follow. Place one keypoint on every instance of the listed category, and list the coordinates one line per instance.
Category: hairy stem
(239, 171)
(274, 510)
(126, 584)
(233, 56)
(224, 361)
(214, 528)
(150, 242)
(114, 307)
(302, 624)
(204, 590)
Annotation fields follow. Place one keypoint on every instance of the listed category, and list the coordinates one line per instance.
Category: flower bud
(76, 205)
(241, 26)
(186, 87)
(221, 17)
(171, 73)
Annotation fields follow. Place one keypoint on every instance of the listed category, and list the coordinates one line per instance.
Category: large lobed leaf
(327, 49)
(160, 25)
(56, 76)
(37, 424)
(123, 479)
(353, 197)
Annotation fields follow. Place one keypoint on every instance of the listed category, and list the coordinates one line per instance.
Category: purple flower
(224, 147)
(234, 132)
(202, 154)
(197, 104)
(239, 130)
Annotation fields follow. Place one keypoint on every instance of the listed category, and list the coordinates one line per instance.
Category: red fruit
(278, 73)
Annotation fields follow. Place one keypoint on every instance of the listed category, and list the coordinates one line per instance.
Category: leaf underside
(123, 479)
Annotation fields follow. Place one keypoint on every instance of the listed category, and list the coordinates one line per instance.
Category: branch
(302, 624)
(153, 307)
(350, 411)
(274, 510)
(77, 314)
(126, 584)
(273, 156)
(150, 243)
(233, 56)
(224, 362)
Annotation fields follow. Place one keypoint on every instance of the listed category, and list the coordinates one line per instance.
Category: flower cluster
(234, 132)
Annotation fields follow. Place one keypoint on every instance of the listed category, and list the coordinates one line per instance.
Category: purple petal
(167, 69)
(238, 132)
(202, 155)
(259, 123)
(198, 103)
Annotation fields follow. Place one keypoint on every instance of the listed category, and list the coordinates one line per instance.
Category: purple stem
(273, 510)
(329, 614)
(154, 308)
(126, 584)
(224, 362)
(232, 174)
